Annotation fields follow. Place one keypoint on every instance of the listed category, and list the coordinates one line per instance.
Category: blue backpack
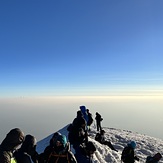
(84, 112)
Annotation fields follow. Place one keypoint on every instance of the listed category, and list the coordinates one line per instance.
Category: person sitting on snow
(128, 153)
(101, 139)
(85, 153)
(58, 151)
(154, 159)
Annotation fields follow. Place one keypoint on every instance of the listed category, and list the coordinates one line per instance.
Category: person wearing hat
(85, 154)
(11, 142)
(154, 159)
(79, 120)
(60, 151)
(43, 157)
(100, 137)
(80, 135)
(27, 153)
(128, 153)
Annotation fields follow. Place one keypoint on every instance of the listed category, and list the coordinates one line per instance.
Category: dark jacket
(154, 159)
(83, 155)
(128, 155)
(90, 119)
(27, 153)
(13, 139)
(52, 155)
(100, 138)
(150, 159)
(22, 157)
(79, 120)
(98, 118)
(77, 136)
(77, 130)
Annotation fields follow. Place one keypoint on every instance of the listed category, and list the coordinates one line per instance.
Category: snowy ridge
(146, 145)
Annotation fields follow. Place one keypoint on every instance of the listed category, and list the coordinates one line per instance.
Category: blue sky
(88, 47)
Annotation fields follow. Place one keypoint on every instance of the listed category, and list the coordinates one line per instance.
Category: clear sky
(81, 47)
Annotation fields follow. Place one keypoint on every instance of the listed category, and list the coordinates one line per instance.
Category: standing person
(27, 153)
(11, 142)
(90, 119)
(79, 118)
(100, 137)
(98, 121)
(128, 153)
(154, 159)
(85, 153)
(77, 133)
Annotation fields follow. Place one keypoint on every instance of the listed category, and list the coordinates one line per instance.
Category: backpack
(150, 159)
(70, 127)
(84, 112)
(126, 154)
(71, 133)
(58, 156)
(90, 119)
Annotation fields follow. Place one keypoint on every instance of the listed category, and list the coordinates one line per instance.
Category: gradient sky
(86, 47)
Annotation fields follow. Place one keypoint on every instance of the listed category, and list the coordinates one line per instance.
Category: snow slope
(146, 145)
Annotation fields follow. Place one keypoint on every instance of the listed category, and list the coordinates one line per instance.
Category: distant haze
(41, 116)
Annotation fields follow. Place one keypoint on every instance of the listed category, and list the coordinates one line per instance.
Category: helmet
(133, 144)
(62, 139)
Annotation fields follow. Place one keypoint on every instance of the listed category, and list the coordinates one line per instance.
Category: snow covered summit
(146, 145)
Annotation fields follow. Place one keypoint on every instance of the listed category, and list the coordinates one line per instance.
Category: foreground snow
(146, 145)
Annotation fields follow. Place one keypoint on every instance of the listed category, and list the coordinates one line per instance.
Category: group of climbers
(18, 148)
(78, 137)
(80, 129)
(58, 151)
(25, 154)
